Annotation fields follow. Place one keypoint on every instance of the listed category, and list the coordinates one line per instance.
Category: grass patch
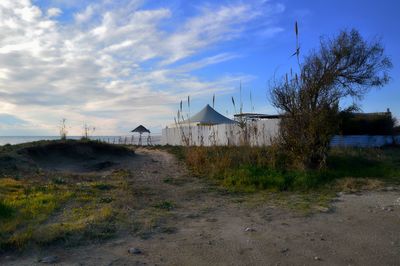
(6, 211)
(250, 169)
(102, 186)
(39, 211)
(165, 205)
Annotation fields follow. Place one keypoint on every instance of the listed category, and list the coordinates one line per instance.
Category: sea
(155, 139)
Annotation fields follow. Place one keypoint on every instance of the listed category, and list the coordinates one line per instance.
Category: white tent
(208, 128)
(208, 116)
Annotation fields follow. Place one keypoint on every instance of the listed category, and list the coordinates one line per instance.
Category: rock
(284, 250)
(317, 258)
(134, 251)
(49, 259)
(322, 209)
(249, 229)
(387, 208)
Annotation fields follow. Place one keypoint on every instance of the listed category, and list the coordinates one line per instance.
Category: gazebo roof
(141, 129)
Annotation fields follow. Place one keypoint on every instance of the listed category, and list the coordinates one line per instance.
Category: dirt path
(200, 225)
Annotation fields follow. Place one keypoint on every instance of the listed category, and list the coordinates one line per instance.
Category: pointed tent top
(141, 129)
(209, 116)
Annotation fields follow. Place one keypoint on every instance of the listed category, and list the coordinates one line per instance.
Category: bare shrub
(63, 129)
(87, 131)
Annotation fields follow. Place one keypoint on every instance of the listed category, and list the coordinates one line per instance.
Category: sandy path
(209, 228)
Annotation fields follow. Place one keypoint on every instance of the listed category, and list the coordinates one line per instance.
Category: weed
(58, 181)
(6, 211)
(102, 186)
(165, 205)
(251, 169)
(168, 180)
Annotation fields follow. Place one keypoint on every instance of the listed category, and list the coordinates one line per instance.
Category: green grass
(40, 211)
(6, 211)
(165, 205)
(251, 169)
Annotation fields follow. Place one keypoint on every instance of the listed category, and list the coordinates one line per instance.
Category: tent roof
(141, 129)
(209, 116)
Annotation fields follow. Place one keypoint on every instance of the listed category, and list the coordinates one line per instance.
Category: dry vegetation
(254, 168)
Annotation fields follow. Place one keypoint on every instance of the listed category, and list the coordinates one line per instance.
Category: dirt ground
(205, 226)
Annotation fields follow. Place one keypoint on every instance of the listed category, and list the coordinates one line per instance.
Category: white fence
(258, 133)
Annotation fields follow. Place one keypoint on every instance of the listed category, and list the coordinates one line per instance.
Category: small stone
(135, 251)
(284, 250)
(317, 258)
(49, 259)
(323, 209)
(249, 229)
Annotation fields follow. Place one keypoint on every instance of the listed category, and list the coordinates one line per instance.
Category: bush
(6, 211)
(258, 168)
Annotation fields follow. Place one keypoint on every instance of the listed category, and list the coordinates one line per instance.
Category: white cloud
(97, 69)
(85, 15)
(54, 12)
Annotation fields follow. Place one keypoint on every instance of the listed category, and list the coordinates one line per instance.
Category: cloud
(113, 65)
(54, 12)
(85, 15)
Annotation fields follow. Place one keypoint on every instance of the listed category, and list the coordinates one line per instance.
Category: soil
(77, 157)
(207, 226)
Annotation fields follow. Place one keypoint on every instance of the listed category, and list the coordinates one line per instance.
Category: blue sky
(117, 64)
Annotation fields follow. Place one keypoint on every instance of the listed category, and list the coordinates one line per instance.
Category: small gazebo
(141, 129)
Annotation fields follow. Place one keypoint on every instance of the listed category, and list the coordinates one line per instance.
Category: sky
(117, 64)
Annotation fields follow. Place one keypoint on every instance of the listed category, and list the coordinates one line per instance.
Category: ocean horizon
(155, 139)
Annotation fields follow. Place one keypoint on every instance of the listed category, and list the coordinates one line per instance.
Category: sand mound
(71, 156)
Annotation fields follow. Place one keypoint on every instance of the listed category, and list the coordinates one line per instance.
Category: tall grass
(247, 168)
